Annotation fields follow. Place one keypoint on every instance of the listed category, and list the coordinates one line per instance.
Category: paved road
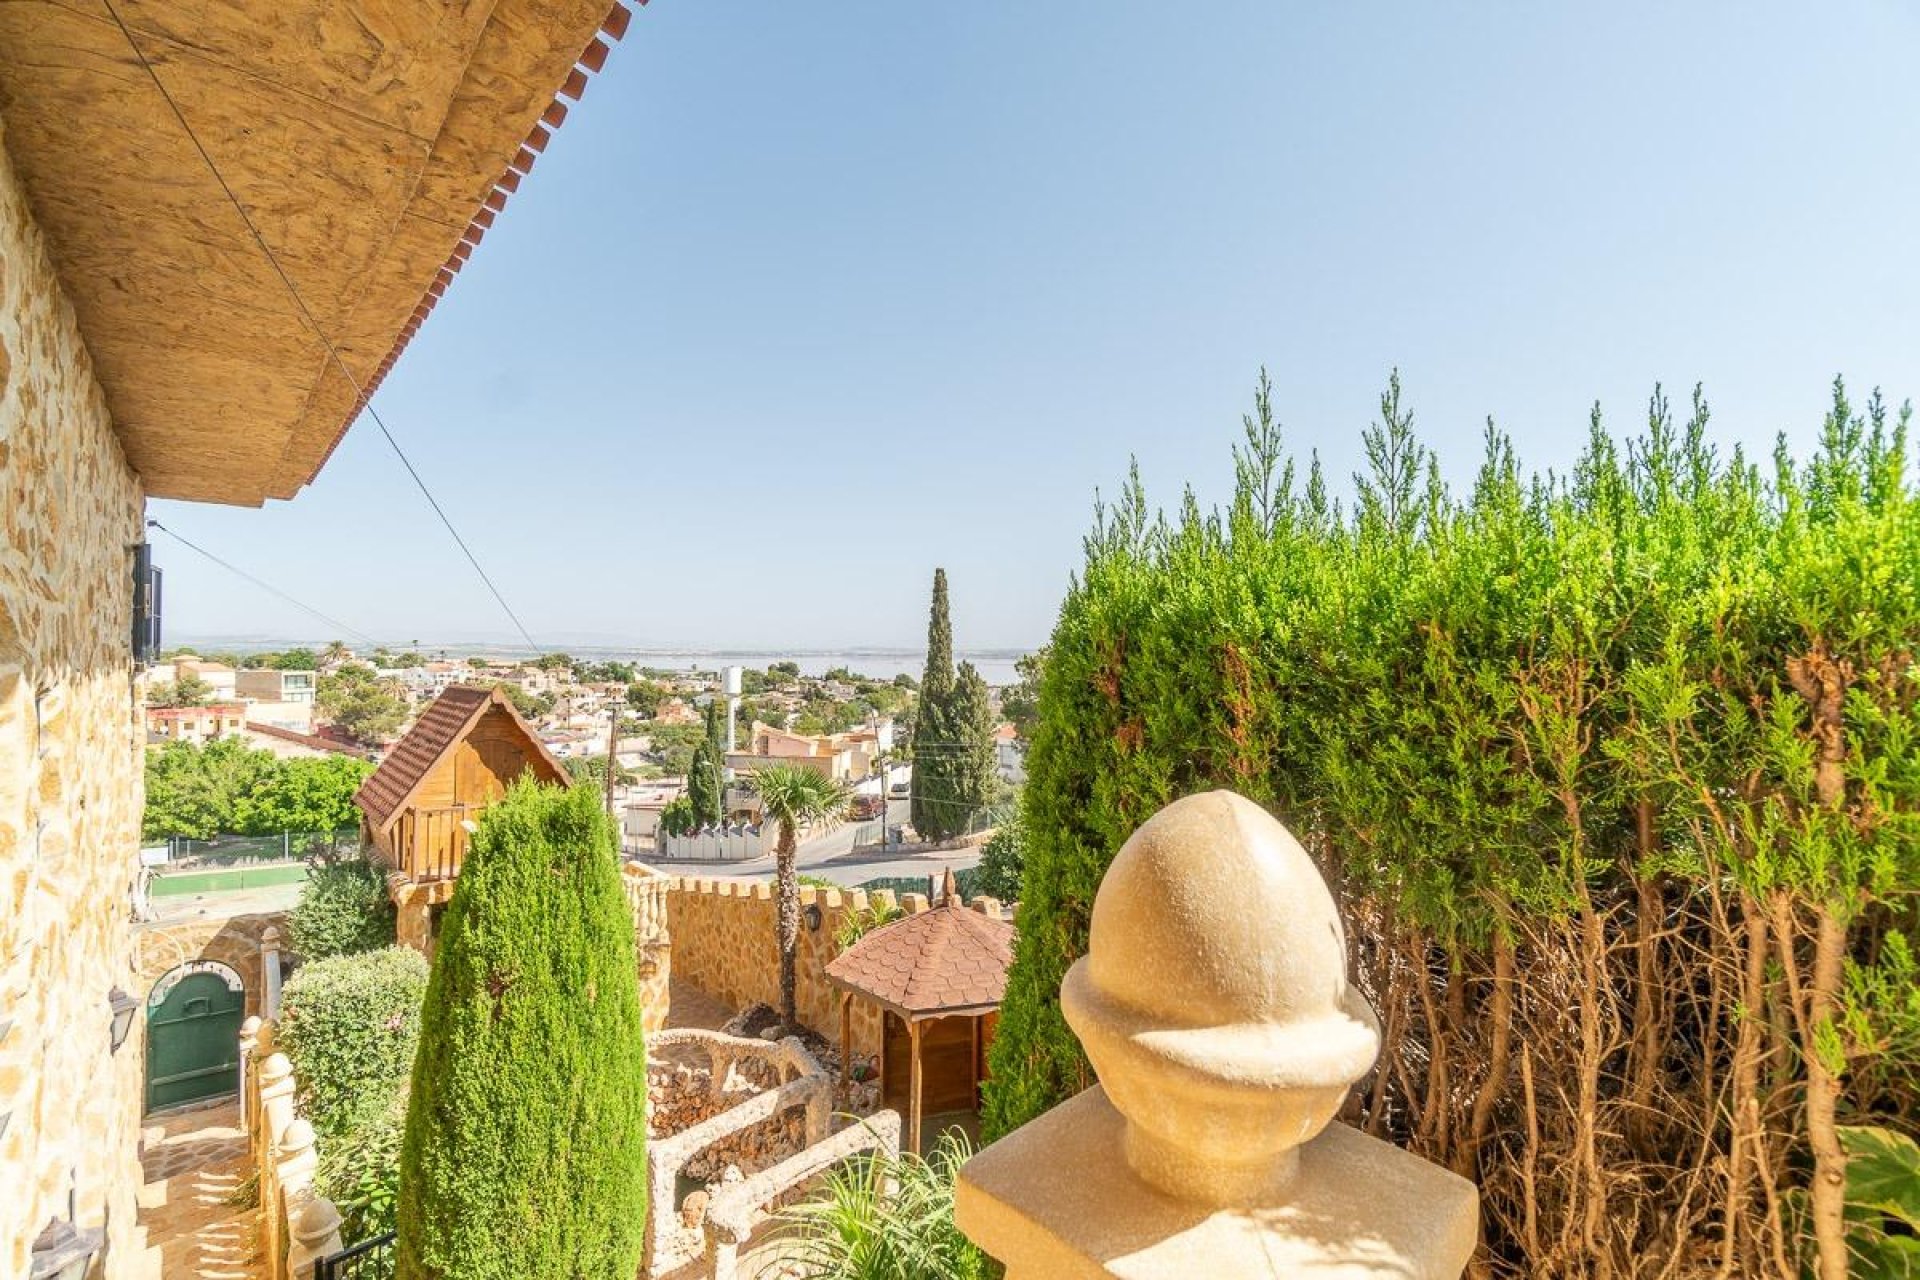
(831, 856)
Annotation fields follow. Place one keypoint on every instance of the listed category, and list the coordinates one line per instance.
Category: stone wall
(723, 941)
(234, 941)
(70, 768)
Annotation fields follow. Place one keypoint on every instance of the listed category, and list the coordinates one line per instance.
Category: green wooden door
(193, 1040)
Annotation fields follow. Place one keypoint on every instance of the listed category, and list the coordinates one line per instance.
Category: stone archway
(193, 1034)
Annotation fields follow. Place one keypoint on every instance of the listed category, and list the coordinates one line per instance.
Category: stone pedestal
(1213, 1003)
(1057, 1200)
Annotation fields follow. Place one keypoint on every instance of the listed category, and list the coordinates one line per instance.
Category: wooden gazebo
(417, 807)
(939, 977)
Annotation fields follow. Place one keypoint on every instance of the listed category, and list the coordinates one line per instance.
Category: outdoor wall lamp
(123, 1006)
(62, 1253)
(813, 917)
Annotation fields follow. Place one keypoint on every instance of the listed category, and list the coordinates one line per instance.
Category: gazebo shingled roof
(943, 961)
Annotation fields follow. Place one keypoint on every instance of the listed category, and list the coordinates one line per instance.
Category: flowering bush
(350, 1026)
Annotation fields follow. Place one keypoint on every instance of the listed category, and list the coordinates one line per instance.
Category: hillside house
(281, 698)
(221, 680)
(844, 757)
(197, 725)
(418, 807)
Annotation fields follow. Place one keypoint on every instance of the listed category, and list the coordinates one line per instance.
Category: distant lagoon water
(997, 667)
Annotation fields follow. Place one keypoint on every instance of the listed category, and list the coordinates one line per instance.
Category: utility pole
(613, 760)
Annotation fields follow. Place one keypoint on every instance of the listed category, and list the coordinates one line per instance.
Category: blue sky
(805, 300)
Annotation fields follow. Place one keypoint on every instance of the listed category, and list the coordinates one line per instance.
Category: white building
(283, 699)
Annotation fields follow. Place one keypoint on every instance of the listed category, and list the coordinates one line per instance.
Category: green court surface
(227, 879)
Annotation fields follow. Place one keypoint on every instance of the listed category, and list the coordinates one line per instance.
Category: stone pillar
(413, 925)
(294, 1164)
(270, 972)
(315, 1227)
(276, 1103)
(249, 1074)
(1214, 1005)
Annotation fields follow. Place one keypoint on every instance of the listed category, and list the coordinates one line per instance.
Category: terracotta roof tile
(946, 958)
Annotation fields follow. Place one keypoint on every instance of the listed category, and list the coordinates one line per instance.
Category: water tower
(730, 689)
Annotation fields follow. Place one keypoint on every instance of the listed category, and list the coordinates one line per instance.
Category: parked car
(900, 790)
(867, 807)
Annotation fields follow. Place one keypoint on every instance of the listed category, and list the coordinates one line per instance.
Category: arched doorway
(193, 1034)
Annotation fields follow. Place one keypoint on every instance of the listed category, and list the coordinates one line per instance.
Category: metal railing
(965, 881)
(231, 850)
(371, 1259)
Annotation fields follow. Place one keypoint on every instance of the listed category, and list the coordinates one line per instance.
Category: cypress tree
(932, 769)
(525, 1148)
(931, 783)
(937, 680)
(704, 787)
(960, 750)
(970, 728)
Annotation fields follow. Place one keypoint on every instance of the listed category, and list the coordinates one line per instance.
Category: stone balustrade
(1214, 1005)
(647, 891)
(298, 1226)
(802, 1083)
(735, 1211)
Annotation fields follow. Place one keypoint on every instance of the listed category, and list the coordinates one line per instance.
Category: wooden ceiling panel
(392, 61)
(526, 54)
(361, 136)
(317, 430)
(323, 187)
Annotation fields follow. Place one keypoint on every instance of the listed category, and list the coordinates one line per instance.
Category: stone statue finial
(949, 888)
(1214, 1004)
(298, 1137)
(1213, 1001)
(317, 1220)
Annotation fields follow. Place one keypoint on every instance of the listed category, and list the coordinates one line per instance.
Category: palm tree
(791, 796)
(334, 653)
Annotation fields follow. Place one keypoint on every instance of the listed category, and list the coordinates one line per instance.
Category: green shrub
(360, 1167)
(350, 1026)
(1883, 1202)
(1003, 861)
(677, 817)
(524, 1156)
(343, 909)
(1615, 772)
(847, 1231)
(856, 925)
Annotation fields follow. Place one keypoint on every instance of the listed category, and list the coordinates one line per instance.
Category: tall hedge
(1616, 773)
(524, 1156)
(351, 1027)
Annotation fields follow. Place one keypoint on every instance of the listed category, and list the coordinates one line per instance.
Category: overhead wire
(263, 584)
(333, 352)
